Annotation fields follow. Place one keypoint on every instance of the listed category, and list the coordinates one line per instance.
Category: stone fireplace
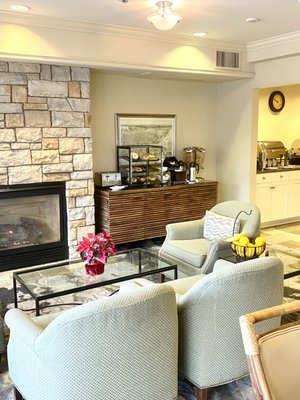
(45, 136)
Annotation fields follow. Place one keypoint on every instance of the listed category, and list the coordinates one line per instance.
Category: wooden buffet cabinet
(142, 213)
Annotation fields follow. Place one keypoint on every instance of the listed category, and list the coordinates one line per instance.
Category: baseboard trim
(284, 221)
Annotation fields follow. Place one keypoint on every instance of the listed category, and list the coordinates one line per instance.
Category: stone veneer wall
(45, 135)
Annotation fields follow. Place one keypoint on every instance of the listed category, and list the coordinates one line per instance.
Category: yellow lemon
(244, 241)
(234, 238)
(260, 241)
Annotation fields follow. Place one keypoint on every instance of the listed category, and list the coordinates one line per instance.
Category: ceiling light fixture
(252, 20)
(19, 8)
(199, 34)
(164, 19)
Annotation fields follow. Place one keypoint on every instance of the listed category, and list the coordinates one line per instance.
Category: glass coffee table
(66, 277)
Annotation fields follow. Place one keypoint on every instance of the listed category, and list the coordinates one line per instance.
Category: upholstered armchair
(273, 357)
(211, 349)
(119, 347)
(196, 245)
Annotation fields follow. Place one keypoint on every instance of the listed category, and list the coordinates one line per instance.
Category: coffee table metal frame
(17, 277)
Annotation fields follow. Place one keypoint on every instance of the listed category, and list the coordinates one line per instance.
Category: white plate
(116, 188)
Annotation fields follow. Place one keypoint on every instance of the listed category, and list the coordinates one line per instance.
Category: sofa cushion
(192, 251)
(218, 226)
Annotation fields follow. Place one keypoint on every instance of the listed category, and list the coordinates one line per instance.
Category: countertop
(159, 186)
(280, 169)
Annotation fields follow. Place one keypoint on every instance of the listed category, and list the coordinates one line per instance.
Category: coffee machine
(176, 169)
(194, 160)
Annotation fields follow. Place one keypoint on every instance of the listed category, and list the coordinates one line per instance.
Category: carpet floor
(283, 241)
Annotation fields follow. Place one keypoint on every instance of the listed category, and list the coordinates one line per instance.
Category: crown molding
(274, 47)
(133, 70)
(120, 31)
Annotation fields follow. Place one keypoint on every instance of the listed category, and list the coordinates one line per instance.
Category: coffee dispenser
(194, 160)
(176, 169)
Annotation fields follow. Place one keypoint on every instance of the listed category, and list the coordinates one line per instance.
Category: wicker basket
(246, 252)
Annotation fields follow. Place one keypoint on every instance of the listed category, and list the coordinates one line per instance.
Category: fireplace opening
(33, 224)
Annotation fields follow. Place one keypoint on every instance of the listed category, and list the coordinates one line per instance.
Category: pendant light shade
(164, 19)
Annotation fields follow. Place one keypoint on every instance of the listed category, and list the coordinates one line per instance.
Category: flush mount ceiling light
(199, 34)
(252, 20)
(19, 8)
(164, 19)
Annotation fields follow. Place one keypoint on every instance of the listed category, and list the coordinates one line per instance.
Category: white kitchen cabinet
(263, 195)
(278, 195)
(294, 198)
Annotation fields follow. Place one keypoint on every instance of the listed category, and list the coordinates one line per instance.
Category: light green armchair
(211, 351)
(122, 347)
(186, 246)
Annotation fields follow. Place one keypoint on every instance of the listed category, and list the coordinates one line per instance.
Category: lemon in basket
(260, 241)
(244, 241)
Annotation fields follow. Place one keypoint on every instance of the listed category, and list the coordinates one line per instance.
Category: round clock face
(276, 101)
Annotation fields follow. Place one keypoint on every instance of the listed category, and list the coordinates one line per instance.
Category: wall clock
(276, 101)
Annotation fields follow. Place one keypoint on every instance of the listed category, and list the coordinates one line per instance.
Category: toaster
(109, 178)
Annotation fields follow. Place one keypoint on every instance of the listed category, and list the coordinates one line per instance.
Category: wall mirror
(136, 129)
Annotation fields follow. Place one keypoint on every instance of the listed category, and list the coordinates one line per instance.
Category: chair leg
(201, 394)
(18, 395)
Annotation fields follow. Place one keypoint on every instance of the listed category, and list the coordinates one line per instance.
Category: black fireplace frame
(43, 253)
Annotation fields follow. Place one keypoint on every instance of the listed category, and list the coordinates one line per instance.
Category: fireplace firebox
(33, 224)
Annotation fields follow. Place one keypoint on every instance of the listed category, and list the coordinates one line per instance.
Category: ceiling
(223, 20)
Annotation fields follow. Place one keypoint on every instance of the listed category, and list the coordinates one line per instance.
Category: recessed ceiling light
(19, 8)
(252, 20)
(199, 34)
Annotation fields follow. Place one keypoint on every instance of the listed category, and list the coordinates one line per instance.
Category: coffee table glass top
(69, 276)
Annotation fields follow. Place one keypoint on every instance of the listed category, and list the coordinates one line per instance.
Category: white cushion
(218, 226)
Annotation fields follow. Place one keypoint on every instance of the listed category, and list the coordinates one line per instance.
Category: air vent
(228, 59)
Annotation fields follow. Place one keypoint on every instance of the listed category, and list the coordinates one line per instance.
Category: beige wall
(193, 103)
(285, 125)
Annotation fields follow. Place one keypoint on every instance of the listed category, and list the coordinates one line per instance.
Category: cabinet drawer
(281, 176)
(293, 175)
(264, 178)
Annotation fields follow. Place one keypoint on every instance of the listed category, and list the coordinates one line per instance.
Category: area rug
(237, 390)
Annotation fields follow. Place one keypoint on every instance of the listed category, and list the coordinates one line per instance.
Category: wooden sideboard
(138, 214)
